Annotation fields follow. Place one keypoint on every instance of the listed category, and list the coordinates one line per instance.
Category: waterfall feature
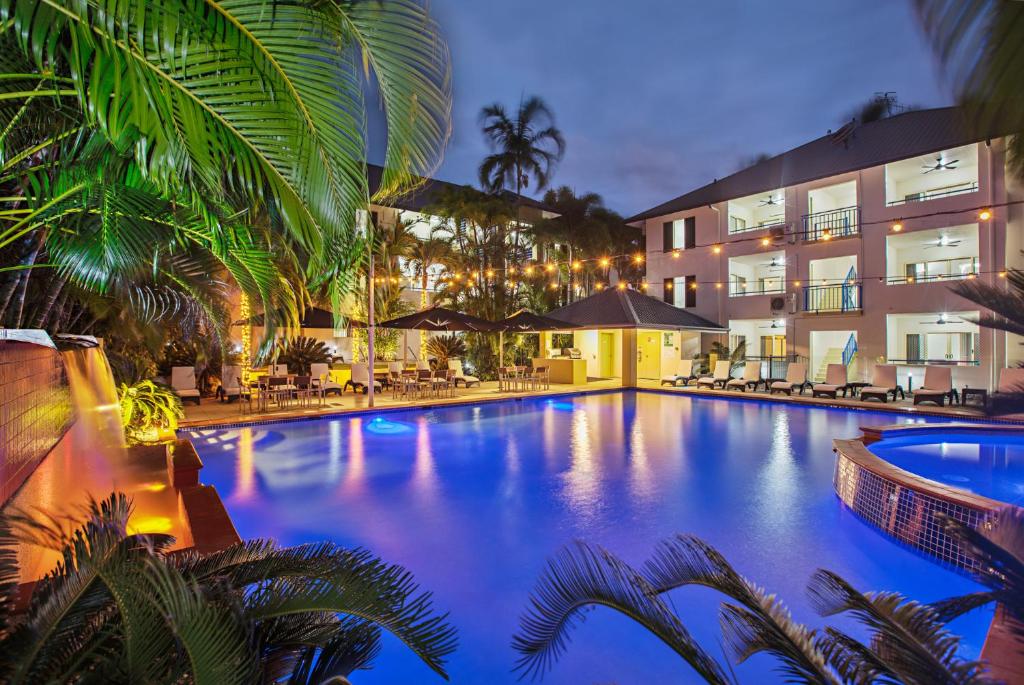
(94, 397)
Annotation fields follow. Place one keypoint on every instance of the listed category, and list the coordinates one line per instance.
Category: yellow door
(648, 350)
(606, 353)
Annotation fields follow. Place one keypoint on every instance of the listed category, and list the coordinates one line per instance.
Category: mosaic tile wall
(906, 514)
(35, 409)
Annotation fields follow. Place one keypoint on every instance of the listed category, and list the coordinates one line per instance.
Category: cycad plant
(120, 609)
(300, 352)
(909, 641)
(147, 409)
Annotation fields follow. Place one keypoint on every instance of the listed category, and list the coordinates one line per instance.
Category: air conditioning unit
(778, 305)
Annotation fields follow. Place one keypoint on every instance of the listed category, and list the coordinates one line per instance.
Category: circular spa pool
(985, 463)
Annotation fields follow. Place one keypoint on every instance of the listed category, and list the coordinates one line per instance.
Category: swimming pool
(986, 464)
(473, 499)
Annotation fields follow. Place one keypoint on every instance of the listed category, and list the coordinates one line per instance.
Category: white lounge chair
(460, 375)
(360, 379)
(883, 384)
(937, 386)
(719, 378)
(751, 378)
(183, 382)
(835, 380)
(230, 382)
(683, 372)
(321, 374)
(796, 379)
(278, 369)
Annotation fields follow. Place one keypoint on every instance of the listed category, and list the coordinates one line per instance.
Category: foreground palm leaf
(909, 642)
(120, 609)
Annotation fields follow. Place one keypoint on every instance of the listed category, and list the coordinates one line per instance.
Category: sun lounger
(751, 378)
(230, 382)
(360, 379)
(796, 379)
(683, 372)
(183, 382)
(835, 381)
(719, 378)
(937, 386)
(460, 375)
(321, 374)
(883, 384)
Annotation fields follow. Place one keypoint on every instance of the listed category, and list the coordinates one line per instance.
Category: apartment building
(844, 249)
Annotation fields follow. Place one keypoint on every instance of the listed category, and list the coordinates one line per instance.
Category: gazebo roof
(627, 308)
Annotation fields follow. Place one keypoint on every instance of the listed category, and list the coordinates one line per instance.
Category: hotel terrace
(843, 250)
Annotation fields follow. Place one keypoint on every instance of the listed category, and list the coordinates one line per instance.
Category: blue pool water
(987, 464)
(474, 499)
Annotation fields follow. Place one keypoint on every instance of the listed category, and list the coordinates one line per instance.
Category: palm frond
(583, 576)
(760, 624)
(906, 636)
(1006, 305)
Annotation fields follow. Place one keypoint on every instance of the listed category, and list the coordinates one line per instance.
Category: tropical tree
(524, 146)
(120, 608)
(908, 641)
(147, 409)
(275, 142)
(978, 42)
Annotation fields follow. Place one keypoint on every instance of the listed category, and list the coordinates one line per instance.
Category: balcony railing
(759, 226)
(832, 298)
(935, 362)
(738, 290)
(940, 270)
(836, 223)
(933, 194)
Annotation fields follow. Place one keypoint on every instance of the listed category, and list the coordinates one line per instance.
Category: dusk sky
(657, 97)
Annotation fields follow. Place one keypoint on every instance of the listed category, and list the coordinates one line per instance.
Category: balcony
(932, 176)
(941, 254)
(757, 274)
(835, 223)
(757, 212)
(830, 299)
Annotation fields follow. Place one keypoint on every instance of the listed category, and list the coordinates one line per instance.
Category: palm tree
(524, 147)
(256, 104)
(978, 41)
(121, 609)
(908, 643)
(423, 255)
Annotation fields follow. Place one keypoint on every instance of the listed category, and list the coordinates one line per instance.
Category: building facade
(843, 250)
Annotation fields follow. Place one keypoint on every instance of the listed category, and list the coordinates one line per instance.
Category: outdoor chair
(360, 380)
(937, 386)
(460, 375)
(322, 378)
(835, 381)
(1009, 394)
(541, 377)
(183, 382)
(796, 378)
(508, 379)
(230, 382)
(751, 378)
(443, 383)
(683, 372)
(719, 378)
(279, 390)
(883, 384)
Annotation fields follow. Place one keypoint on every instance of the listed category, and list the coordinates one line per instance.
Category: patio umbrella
(525, 321)
(441, 319)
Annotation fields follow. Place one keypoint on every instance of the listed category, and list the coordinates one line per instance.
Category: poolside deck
(212, 413)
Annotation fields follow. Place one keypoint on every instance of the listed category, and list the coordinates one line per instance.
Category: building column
(629, 353)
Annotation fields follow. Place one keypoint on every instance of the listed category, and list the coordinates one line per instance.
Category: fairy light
(529, 271)
(476, 274)
(622, 285)
(553, 286)
(985, 214)
(643, 286)
(605, 261)
(549, 267)
(897, 227)
(668, 286)
(576, 266)
(796, 283)
(638, 258)
(826, 235)
(718, 285)
(511, 271)
(245, 312)
(1002, 274)
(599, 286)
(675, 254)
(490, 273)
(693, 286)
(717, 249)
(766, 242)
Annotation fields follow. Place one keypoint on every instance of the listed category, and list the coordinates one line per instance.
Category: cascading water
(94, 397)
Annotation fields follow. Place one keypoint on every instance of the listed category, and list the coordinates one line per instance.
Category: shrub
(147, 408)
(300, 352)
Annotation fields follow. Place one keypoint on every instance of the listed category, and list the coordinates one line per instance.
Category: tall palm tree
(121, 609)
(978, 41)
(525, 146)
(908, 643)
(252, 100)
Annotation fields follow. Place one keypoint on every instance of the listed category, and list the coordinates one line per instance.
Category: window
(668, 291)
(679, 234)
(737, 224)
(691, 292)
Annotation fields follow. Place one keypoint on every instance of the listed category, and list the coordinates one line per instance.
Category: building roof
(626, 308)
(429, 192)
(851, 148)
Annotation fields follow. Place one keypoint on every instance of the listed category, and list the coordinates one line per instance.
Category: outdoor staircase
(834, 355)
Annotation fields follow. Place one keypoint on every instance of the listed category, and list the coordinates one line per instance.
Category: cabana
(620, 332)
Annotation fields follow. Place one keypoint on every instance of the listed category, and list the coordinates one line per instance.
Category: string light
(511, 271)
(675, 254)
(554, 285)
(1002, 274)
(826, 235)
(599, 286)
(638, 258)
(985, 214)
(576, 266)
(718, 285)
(605, 261)
(529, 271)
(490, 273)
(766, 242)
(693, 286)
(668, 286)
(643, 286)
(622, 285)
(796, 283)
(897, 227)
(716, 249)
